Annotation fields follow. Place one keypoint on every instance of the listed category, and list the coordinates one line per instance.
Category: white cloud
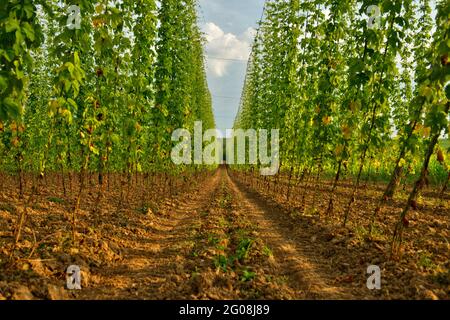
(225, 46)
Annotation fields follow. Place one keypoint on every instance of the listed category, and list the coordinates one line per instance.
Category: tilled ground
(421, 271)
(220, 238)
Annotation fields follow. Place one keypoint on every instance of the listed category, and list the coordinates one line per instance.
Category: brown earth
(224, 236)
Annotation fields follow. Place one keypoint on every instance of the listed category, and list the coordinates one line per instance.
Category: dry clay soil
(218, 240)
(178, 255)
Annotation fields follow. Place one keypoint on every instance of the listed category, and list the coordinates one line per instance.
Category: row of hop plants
(351, 97)
(97, 87)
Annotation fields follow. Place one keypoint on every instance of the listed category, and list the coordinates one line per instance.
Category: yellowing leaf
(440, 156)
(339, 149)
(138, 127)
(426, 131)
(346, 132)
(376, 164)
(326, 120)
(13, 126)
(418, 129)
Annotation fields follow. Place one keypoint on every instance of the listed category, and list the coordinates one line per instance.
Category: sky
(229, 27)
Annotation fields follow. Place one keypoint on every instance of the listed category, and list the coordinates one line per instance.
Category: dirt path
(210, 245)
(295, 258)
(224, 237)
(153, 255)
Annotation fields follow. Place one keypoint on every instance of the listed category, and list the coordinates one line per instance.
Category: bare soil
(221, 235)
